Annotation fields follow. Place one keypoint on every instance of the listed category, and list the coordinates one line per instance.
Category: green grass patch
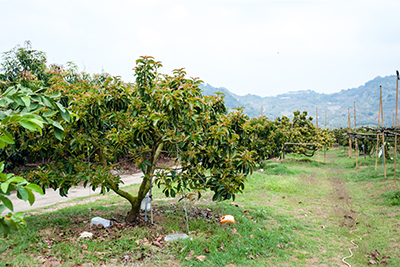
(296, 212)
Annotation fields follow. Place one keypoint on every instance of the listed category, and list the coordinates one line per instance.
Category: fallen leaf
(279, 246)
(206, 250)
(251, 236)
(246, 212)
(251, 256)
(145, 242)
(156, 243)
(201, 257)
(375, 253)
(383, 263)
(234, 230)
(190, 255)
(372, 262)
(222, 246)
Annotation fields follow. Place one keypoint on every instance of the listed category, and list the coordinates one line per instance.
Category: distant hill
(336, 105)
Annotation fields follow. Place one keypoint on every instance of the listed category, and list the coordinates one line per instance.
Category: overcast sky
(247, 46)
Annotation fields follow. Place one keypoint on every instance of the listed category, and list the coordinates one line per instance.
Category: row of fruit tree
(70, 123)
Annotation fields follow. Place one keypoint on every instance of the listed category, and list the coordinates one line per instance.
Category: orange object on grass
(227, 219)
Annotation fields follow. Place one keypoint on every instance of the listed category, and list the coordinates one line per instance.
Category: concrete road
(53, 197)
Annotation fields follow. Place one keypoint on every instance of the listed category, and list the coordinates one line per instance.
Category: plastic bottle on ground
(102, 221)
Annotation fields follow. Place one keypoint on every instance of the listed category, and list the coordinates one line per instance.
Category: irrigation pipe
(351, 252)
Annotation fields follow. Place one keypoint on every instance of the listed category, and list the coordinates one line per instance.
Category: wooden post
(325, 145)
(393, 120)
(261, 110)
(355, 137)
(317, 136)
(377, 137)
(383, 136)
(395, 137)
(350, 146)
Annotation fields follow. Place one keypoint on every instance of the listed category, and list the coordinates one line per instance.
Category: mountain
(335, 105)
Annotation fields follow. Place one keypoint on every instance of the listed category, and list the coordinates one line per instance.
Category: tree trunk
(135, 208)
(144, 187)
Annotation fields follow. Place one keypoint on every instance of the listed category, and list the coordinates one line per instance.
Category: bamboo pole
(383, 136)
(377, 137)
(350, 146)
(355, 138)
(317, 136)
(395, 138)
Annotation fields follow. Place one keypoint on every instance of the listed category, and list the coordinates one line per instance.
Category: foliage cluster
(25, 108)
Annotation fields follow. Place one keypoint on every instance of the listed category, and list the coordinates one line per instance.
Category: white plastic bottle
(102, 221)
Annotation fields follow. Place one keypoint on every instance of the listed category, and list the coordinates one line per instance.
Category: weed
(393, 198)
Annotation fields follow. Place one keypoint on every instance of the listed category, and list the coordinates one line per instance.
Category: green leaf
(28, 125)
(143, 167)
(35, 187)
(57, 125)
(37, 122)
(61, 107)
(16, 179)
(47, 102)
(59, 134)
(6, 139)
(147, 162)
(7, 203)
(49, 113)
(31, 196)
(10, 223)
(22, 193)
(4, 187)
(65, 115)
(173, 193)
(4, 229)
(27, 101)
(215, 197)
(56, 95)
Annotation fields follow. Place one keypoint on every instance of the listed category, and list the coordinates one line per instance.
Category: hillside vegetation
(336, 105)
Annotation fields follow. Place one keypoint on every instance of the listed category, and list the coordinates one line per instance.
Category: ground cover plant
(295, 212)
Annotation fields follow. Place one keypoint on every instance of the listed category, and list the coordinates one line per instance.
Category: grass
(296, 212)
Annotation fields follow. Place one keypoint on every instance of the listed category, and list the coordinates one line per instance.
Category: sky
(247, 46)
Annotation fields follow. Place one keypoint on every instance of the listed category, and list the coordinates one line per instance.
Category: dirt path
(52, 197)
